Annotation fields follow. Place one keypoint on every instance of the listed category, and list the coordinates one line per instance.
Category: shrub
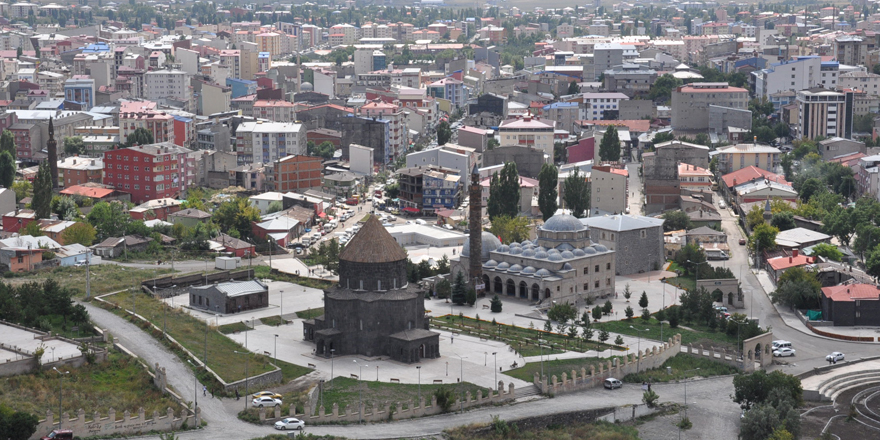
(496, 304)
(650, 398)
(444, 398)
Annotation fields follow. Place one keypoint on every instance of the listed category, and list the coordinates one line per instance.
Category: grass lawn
(698, 335)
(235, 327)
(262, 271)
(524, 340)
(685, 282)
(120, 383)
(310, 313)
(683, 366)
(191, 333)
(57, 326)
(673, 266)
(345, 391)
(555, 367)
(105, 278)
(273, 321)
(506, 431)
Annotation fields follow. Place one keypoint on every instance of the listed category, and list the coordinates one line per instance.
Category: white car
(722, 205)
(783, 352)
(612, 383)
(260, 402)
(834, 357)
(290, 423)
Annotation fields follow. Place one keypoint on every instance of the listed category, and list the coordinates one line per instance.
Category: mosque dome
(490, 243)
(567, 255)
(503, 265)
(515, 268)
(528, 270)
(543, 273)
(490, 263)
(563, 223)
(541, 254)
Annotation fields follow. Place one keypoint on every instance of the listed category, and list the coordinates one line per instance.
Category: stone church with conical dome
(561, 264)
(373, 311)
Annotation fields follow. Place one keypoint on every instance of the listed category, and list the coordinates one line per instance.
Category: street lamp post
(419, 367)
(485, 358)
(639, 348)
(332, 350)
(60, 393)
(461, 384)
(246, 360)
(360, 391)
(685, 397)
(276, 349)
(195, 387)
(495, 354)
(541, 345)
(697, 272)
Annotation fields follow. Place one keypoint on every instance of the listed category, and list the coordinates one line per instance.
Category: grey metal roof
(237, 288)
(622, 222)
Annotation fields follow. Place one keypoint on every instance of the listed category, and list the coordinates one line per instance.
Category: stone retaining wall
(379, 411)
(129, 424)
(585, 379)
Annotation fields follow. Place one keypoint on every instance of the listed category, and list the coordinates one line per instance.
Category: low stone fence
(585, 379)
(377, 412)
(105, 426)
(727, 357)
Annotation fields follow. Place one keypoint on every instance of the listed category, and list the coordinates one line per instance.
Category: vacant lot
(105, 278)
(345, 391)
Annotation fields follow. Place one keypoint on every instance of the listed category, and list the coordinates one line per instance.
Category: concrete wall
(196, 279)
(129, 424)
(528, 160)
(636, 109)
(720, 118)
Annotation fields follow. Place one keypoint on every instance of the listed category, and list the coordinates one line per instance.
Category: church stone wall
(351, 274)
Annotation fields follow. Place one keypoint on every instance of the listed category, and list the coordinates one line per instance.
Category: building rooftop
(372, 244)
(851, 292)
(622, 222)
(750, 173)
(236, 288)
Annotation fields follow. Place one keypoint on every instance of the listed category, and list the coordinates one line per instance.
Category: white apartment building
(799, 74)
(162, 84)
(231, 59)
(596, 104)
(343, 35)
(265, 142)
(528, 131)
(864, 81)
(398, 133)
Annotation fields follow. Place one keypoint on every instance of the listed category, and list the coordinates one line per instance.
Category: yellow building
(739, 156)
(269, 42)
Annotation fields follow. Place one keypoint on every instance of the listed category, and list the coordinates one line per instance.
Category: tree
(628, 311)
(618, 340)
(676, 220)
(597, 313)
(763, 237)
(504, 192)
(783, 221)
(459, 289)
(810, 187)
(661, 90)
(33, 229)
(496, 304)
(787, 163)
(443, 288)
(756, 388)
(660, 138)
(443, 265)
(607, 307)
(873, 263)
(573, 88)
(7, 170)
(510, 229)
(444, 133)
(65, 208)
(73, 145)
(471, 296)
(755, 216)
(609, 147)
(643, 301)
(108, 219)
(562, 312)
(81, 233)
(603, 335)
(828, 251)
(42, 203)
(7, 142)
(17, 425)
(141, 136)
(274, 207)
(22, 188)
(627, 293)
(548, 195)
(236, 215)
(576, 194)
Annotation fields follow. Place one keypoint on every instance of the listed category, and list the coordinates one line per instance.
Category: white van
(781, 344)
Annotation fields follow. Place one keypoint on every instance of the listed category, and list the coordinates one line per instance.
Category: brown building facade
(297, 172)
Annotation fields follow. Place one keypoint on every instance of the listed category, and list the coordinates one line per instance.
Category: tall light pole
(495, 354)
(206, 340)
(360, 391)
(195, 386)
(485, 358)
(541, 345)
(639, 348)
(246, 360)
(697, 272)
(332, 350)
(282, 307)
(276, 349)
(461, 384)
(419, 367)
(60, 393)
(685, 397)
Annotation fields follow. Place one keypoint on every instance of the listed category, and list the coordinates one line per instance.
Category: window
(586, 286)
(607, 282)
(586, 270)
(596, 284)
(596, 269)
(607, 266)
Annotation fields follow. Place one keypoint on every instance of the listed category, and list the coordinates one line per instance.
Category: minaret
(475, 225)
(52, 149)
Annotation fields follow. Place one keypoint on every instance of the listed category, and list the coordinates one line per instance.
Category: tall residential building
(797, 74)
(527, 132)
(450, 89)
(398, 134)
(690, 103)
(824, 113)
(149, 172)
(265, 142)
(80, 90)
(232, 59)
(608, 190)
(297, 172)
(597, 104)
(269, 42)
(161, 85)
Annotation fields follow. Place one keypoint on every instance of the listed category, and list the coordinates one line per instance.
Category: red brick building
(28, 141)
(79, 170)
(321, 135)
(149, 172)
(297, 172)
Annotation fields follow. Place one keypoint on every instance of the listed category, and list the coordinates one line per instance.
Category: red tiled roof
(749, 174)
(851, 292)
(84, 191)
(781, 263)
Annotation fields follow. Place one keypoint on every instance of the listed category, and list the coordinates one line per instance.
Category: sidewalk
(791, 320)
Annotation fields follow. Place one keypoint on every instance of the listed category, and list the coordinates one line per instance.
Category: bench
(267, 353)
(313, 366)
(436, 381)
(354, 376)
(485, 306)
(395, 380)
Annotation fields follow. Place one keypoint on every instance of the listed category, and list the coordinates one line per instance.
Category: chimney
(789, 259)
(794, 253)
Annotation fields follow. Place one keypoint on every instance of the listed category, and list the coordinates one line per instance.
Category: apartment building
(274, 110)
(80, 170)
(824, 113)
(736, 157)
(598, 106)
(269, 42)
(162, 85)
(690, 104)
(149, 172)
(81, 91)
(297, 172)
(265, 142)
(528, 132)
(398, 134)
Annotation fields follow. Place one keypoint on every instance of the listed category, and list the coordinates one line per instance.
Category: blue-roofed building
(264, 61)
(93, 48)
(564, 113)
(80, 91)
(241, 87)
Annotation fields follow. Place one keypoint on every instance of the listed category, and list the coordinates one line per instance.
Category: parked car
(267, 394)
(290, 423)
(449, 227)
(722, 205)
(299, 251)
(742, 241)
(834, 357)
(59, 434)
(612, 383)
(783, 352)
(265, 401)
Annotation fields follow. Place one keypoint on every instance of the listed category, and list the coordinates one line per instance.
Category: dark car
(59, 434)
